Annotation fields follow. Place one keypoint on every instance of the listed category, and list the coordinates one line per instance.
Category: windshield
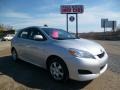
(58, 34)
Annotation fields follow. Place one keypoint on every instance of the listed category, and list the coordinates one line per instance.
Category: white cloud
(94, 14)
(91, 18)
(88, 21)
(54, 20)
(14, 14)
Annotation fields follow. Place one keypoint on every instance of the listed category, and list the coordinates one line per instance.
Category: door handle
(28, 46)
(34, 47)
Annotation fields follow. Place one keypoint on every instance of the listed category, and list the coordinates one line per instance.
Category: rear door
(22, 44)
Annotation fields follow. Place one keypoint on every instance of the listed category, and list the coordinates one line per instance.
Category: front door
(36, 48)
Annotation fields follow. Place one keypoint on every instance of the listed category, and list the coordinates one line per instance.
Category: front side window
(34, 32)
(58, 34)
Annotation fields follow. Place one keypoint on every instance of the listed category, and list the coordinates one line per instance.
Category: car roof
(39, 27)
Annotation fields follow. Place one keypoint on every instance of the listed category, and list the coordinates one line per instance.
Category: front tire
(58, 70)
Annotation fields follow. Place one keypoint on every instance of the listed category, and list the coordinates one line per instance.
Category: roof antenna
(45, 25)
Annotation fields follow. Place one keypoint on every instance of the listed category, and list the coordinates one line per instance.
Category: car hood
(82, 44)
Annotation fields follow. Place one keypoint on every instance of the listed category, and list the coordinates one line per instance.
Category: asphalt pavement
(25, 76)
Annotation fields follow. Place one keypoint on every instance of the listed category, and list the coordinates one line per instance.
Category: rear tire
(14, 55)
(58, 69)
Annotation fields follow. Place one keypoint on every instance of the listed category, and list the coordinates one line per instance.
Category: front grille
(101, 55)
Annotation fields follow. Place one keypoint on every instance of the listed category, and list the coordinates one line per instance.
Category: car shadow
(35, 77)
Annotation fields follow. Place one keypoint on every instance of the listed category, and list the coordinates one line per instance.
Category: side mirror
(38, 37)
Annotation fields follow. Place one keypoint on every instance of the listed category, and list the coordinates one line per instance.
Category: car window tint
(24, 34)
(58, 34)
(35, 31)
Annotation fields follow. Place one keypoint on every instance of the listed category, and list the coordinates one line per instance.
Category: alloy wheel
(56, 71)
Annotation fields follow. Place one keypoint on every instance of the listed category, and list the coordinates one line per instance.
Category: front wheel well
(54, 58)
(51, 58)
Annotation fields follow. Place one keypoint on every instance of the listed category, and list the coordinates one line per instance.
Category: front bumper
(91, 76)
(95, 66)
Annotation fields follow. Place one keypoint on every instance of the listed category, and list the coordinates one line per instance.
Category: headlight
(81, 53)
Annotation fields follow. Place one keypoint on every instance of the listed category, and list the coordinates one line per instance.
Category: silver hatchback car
(64, 55)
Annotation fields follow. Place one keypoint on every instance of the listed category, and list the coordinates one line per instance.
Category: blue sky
(23, 13)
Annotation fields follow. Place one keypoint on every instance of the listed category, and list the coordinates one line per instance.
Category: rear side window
(29, 33)
(23, 34)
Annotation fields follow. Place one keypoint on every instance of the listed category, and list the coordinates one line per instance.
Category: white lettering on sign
(71, 9)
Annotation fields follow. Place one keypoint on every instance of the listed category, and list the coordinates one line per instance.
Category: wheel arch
(49, 58)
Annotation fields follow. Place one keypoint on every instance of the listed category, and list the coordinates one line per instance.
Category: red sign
(71, 9)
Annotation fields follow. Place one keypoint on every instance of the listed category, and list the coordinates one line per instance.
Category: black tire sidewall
(65, 70)
(16, 55)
